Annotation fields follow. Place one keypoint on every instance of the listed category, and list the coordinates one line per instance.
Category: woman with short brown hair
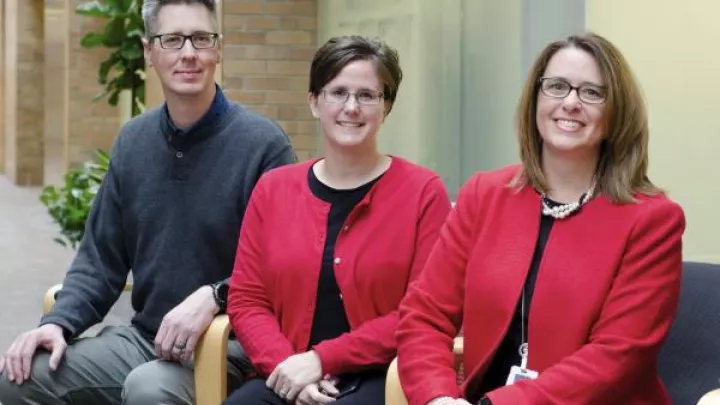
(564, 271)
(329, 246)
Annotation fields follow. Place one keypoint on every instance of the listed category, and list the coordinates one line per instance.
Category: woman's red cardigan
(382, 247)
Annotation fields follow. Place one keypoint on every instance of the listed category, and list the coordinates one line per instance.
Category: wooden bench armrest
(211, 363)
(394, 394)
(711, 398)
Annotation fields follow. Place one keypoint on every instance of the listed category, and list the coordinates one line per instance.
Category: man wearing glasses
(170, 209)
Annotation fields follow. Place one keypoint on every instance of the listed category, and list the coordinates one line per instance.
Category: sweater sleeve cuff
(68, 331)
(330, 357)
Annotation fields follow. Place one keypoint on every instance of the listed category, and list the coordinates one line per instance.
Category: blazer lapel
(517, 235)
(501, 263)
(573, 271)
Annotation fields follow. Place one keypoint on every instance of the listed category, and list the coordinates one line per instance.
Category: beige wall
(672, 49)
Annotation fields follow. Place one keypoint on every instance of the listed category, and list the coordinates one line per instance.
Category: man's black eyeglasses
(204, 40)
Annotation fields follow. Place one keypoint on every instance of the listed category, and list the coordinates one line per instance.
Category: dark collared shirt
(217, 108)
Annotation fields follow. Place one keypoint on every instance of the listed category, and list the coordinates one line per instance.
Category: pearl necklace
(565, 210)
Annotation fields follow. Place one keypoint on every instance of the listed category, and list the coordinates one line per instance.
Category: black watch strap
(220, 294)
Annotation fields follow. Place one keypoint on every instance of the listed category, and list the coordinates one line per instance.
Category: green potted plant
(69, 204)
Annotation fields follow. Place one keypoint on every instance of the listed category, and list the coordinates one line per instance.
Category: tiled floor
(30, 262)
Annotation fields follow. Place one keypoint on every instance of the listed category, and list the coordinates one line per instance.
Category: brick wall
(55, 67)
(2, 89)
(268, 47)
(23, 91)
(90, 125)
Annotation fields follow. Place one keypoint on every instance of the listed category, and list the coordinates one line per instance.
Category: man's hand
(182, 327)
(17, 361)
(317, 394)
(293, 374)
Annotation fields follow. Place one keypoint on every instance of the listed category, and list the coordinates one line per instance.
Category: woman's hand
(448, 401)
(317, 394)
(294, 374)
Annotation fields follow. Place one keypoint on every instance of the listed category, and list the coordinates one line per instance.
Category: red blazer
(604, 300)
(383, 246)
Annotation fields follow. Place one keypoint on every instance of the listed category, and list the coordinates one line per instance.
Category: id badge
(519, 374)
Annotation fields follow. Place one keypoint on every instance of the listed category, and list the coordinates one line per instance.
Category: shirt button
(337, 260)
(178, 154)
(346, 227)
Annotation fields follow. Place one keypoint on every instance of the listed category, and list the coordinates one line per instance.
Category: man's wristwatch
(220, 294)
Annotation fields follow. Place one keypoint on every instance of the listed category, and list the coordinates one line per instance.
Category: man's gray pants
(118, 366)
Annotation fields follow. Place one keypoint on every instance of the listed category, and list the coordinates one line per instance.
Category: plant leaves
(131, 52)
(93, 9)
(114, 96)
(105, 67)
(100, 95)
(124, 31)
(126, 4)
(140, 92)
(115, 6)
(115, 33)
(128, 79)
(103, 159)
(92, 39)
(135, 33)
(70, 204)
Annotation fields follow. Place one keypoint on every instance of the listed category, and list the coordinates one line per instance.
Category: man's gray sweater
(169, 209)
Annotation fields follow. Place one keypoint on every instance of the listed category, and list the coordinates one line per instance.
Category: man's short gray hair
(151, 8)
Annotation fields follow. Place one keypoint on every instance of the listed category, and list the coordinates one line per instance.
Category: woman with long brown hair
(564, 271)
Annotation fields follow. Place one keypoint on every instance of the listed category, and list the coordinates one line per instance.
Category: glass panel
(424, 126)
(464, 63)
